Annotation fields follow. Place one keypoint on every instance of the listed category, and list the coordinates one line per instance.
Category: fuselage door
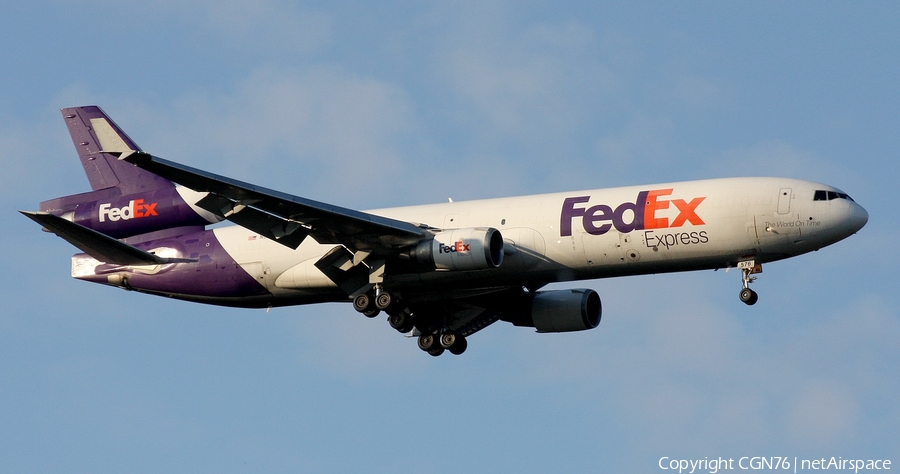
(784, 201)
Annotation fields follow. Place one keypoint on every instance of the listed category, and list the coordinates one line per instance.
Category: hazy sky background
(368, 105)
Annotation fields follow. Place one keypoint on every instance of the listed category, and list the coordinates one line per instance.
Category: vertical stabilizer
(99, 142)
(126, 200)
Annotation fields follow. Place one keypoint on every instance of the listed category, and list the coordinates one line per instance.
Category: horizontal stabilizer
(100, 246)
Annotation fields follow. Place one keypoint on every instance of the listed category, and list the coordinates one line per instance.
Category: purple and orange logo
(599, 219)
(456, 247)
(135, 209)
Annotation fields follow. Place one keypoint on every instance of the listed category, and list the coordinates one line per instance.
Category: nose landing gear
(748, 268)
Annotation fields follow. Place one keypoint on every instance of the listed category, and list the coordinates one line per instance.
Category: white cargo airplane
(442, 271)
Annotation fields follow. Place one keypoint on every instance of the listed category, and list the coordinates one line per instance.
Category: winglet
(98, 245)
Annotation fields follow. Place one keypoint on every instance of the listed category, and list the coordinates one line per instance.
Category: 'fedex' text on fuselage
(599, 219)
(134, 210)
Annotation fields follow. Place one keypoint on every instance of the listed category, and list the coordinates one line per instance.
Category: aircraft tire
(428, 342)
(383, 301)
(402, 321)
(362, 303)
(459, 347)
(372, 313)
(748, 296)
(448, 339)
(436, 351)
(754, 299)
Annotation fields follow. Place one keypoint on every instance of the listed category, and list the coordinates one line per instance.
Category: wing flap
(337, 266)
(287, 232)
(100, 246)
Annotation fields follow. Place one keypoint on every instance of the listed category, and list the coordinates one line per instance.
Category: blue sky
(367, 105)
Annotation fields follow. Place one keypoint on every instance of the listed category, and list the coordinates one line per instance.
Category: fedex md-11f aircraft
(441, 272)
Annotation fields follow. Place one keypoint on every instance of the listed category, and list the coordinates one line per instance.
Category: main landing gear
(434, 336)
(365, 304)
(371, 303)
(748, 296)
(435, 343)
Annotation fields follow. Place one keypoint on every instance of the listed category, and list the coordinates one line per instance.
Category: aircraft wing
(282, 217)
(100, 246)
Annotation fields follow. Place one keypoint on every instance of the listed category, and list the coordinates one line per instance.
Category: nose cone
(858, 217)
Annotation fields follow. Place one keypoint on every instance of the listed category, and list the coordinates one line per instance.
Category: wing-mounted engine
(560, 311)
(478, 248)
(447, 324)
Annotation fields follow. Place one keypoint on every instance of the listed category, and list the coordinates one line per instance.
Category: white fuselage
(591, 234)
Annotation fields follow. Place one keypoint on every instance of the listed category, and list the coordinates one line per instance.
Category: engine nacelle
(563, 311)
(477, 248)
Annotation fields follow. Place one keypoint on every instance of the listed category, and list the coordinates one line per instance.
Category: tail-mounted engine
(477, 248)
(124, 216)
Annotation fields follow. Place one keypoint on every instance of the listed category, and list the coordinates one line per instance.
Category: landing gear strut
(748, 296)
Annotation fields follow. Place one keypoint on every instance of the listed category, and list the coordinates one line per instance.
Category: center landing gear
(748, 296)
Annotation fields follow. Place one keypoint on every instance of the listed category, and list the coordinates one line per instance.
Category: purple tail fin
(99, 142)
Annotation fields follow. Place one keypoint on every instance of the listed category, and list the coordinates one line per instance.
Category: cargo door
(784, 200)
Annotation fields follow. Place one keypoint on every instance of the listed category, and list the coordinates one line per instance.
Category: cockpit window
(822, 195)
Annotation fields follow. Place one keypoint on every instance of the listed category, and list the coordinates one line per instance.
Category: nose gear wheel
(748, 296)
